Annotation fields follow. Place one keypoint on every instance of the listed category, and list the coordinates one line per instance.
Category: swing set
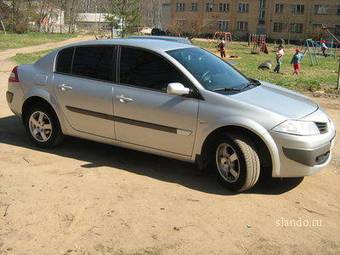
(313, 48)
(226, 36)
(258, 43)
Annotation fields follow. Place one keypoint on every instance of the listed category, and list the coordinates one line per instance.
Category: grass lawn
(11, 41)
(29, 58)
(322, 76)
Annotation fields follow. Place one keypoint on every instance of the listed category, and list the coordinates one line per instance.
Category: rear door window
(97, 62)
(64, 61)
(144, 69)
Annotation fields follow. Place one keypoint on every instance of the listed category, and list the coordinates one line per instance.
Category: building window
(223, 7)
(279, 8)
(296, 28)
(180, 7)
(298, 8)
(278, 27)
(338, 9)
(194, 7)
(242, 25)
(262, 4)
(262, 14)
(320, 9)
(243, 7)
(223, 25)
(209, 7)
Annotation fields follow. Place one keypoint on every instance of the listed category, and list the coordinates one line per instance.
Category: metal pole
(3, 26)
(338, 86)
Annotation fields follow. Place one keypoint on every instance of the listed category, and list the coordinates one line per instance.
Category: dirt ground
(89, 198)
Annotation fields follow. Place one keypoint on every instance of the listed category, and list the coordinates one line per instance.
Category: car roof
(165, 38)
(154, 45)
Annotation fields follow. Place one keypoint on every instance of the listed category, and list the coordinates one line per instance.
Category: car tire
(42, 126)
(235, 161)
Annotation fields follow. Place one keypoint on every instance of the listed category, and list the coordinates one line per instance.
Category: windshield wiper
(226, 89)
(252, 82)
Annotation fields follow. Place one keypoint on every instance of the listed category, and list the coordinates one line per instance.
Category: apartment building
(289, 19)
(156, 13)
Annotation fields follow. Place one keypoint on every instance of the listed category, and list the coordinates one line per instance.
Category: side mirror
(177, 89)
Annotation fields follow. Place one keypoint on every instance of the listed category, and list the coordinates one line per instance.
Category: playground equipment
(226, 36)
(258, 43)
(311, 48)
(314, 48)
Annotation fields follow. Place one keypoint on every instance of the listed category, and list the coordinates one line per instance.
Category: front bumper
(300, 156)
(309, 157)
(304, 155)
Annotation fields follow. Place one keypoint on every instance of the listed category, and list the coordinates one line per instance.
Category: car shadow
(96, 154)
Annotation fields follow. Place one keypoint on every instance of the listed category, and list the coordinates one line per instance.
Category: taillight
(14, 75)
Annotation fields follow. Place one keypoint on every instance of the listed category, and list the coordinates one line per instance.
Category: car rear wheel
(42, 126)
(235, 161)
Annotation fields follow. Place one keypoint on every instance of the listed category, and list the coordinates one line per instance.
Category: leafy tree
(124, 15)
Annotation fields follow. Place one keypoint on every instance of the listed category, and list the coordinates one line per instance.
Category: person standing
(296, 61)
(279, 56)
(324, 48)
(221, 48)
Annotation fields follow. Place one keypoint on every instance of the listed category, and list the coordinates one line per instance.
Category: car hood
(279, 100)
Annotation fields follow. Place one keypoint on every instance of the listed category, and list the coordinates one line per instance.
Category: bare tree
(151, 13)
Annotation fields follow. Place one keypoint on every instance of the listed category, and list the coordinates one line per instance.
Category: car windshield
(212, 72)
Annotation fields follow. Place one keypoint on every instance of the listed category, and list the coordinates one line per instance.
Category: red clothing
(297, 67)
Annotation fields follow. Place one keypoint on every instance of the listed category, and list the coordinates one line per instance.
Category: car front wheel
(235, 161)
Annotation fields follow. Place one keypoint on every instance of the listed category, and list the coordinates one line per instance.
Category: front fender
(205, 129)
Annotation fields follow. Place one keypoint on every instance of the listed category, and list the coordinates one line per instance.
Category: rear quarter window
(64, 61)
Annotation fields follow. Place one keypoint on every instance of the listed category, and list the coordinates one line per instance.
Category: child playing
(296, 61)
(221, 48)
(324, 48)
(279, 55)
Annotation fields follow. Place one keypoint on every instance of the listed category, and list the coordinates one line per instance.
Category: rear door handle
(124, 99)
(65, 87)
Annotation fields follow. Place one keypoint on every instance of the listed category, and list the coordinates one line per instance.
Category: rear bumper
(14, 97)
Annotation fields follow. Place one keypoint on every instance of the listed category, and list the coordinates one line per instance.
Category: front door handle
(64, 87)
(124, 99)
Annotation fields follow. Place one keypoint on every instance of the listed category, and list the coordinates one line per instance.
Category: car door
(145, 114)
(84, 83)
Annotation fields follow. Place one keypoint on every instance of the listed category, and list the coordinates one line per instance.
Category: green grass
(11, 41)
(322, 76)
(29, 58)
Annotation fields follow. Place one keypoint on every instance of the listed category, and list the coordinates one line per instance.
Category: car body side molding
(130, 121)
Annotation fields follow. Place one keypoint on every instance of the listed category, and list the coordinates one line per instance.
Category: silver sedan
(174, 100)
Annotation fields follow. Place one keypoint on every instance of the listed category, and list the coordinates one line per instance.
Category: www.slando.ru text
(298, 222)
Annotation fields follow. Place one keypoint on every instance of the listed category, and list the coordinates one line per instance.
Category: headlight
(297, 127)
